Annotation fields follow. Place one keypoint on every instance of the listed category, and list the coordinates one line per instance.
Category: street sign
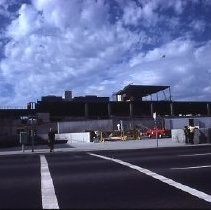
(154, 115)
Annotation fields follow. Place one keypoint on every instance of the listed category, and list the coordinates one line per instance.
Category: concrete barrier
(83, 137)
(201, 135)
(177, 135)
(70, 137)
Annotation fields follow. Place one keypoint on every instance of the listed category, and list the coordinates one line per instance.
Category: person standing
(51, 139)
(187, 134)
(191, 133)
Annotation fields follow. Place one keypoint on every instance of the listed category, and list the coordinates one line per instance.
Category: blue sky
(97, 47)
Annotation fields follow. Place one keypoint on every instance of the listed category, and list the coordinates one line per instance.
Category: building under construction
(134, 106)
(134, 101)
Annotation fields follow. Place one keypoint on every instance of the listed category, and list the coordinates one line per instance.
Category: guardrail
(12, 107)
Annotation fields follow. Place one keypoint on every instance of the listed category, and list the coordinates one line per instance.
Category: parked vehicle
(161, 132)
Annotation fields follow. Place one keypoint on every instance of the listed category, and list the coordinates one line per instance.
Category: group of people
(189, 134)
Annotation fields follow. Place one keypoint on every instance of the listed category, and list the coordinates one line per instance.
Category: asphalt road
(164, 178)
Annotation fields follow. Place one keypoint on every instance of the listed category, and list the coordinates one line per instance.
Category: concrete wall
(179, 123)
(44, 128)
(8, 127)
(201, 135)
(74, 137)
(78, 126)
(104, 125)
(83, 137)
(130, 124)
(177, 135)
(45, 117)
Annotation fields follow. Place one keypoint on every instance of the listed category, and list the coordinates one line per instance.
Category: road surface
(150, 178)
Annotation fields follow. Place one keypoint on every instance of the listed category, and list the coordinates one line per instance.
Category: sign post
(122, 130)
(32, 121)
(155, 120)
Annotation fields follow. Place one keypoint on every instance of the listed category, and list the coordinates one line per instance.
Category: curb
(81, 149)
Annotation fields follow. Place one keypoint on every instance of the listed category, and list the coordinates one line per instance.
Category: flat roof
(141, 90)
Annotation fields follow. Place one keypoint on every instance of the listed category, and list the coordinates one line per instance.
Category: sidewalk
(114, 145)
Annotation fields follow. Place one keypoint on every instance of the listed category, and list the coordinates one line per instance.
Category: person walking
(51, 139)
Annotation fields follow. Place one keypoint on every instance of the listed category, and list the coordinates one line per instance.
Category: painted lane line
(193, 167)
(200, 154)
(168, 181)
(49, 199)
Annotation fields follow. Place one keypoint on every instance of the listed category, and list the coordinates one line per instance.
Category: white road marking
(193, 167)
(200, 154)
(49, 199)
(168, 181)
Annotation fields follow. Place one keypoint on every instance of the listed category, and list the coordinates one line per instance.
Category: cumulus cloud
(97, 47)
(181, 64)
(22, 26)
(198, 25)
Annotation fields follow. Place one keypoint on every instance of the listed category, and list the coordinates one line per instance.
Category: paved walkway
(107, 145)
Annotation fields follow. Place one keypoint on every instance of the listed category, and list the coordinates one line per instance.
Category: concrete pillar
(152, 109)
(131, 109)
(109, 110)
(86, 110)
(208, 109)
(172, 109)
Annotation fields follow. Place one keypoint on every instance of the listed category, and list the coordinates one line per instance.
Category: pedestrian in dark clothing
(51, 139)
(187, 134)
(191, 134)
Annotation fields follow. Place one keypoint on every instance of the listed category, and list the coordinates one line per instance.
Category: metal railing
(13, 107)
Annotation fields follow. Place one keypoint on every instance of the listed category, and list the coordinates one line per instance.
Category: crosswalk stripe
(192, 167)
(49, 199)
(190, 155)
(163, 179)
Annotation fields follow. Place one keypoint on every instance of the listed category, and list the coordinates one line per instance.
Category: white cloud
(131, 13)
(198, 25)
(202, 55)
(185, 67)
(22, 26)
(179, 6)
(56, 45)
(144, 13)
(49, 52)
